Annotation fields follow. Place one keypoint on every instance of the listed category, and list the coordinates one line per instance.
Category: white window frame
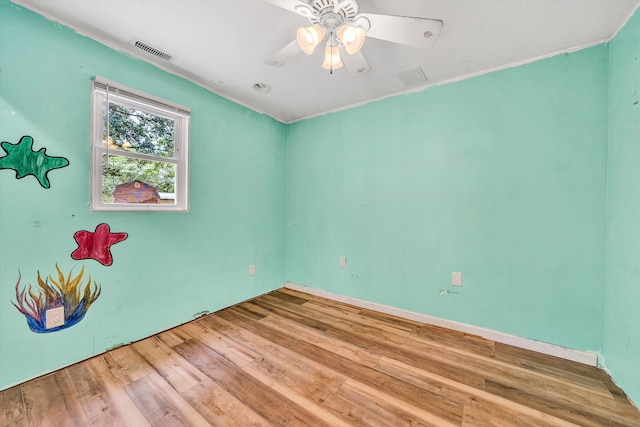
(133, 98)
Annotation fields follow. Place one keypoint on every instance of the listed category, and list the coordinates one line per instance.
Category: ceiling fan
(345, 29)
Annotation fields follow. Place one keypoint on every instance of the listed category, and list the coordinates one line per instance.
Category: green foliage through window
(122, 169)
(139, 132)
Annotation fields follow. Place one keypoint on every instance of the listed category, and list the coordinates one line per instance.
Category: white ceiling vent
(150, 50)
(412, 76)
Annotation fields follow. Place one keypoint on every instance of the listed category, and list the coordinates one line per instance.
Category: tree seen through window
(134, 131)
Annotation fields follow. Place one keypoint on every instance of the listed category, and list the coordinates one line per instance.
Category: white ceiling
(223, 44)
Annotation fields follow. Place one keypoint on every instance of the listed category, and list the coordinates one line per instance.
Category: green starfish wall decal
(21, 158)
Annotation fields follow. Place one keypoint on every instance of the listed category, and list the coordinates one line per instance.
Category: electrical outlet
(252, 270)
(456, 279)
(54, 317)
(342, 262)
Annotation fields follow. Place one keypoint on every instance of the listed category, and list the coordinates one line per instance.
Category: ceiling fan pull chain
(331, 70)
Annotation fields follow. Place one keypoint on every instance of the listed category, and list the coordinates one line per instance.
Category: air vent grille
(152, 50)
(413, 76)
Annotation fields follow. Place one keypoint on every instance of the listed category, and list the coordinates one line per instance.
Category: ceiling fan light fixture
(352, 38)
(309, 37)
(332, 59)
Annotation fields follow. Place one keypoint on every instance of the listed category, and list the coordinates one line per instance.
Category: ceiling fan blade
(299, 7)
(356, 63)
(283, 55)
(416, 32)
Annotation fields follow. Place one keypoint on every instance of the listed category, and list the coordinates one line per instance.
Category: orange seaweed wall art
(63, 291)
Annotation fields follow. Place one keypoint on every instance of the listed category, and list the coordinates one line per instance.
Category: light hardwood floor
(289, 358)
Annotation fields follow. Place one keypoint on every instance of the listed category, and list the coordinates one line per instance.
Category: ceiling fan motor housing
(334, 12)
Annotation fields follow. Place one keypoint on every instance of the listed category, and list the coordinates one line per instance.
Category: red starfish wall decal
(95, 245)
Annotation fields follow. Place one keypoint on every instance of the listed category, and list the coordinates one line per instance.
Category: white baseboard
(585, 357)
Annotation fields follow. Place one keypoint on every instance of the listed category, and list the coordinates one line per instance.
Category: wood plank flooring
(289, 358)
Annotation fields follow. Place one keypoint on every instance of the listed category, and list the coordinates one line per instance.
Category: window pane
(129, 180)
(140, 151)
(139, 132)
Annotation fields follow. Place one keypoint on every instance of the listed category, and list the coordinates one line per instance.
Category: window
(140, 151)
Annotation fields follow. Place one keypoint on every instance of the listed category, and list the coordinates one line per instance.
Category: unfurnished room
(319, 213)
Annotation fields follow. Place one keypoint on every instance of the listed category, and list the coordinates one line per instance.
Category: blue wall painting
(65, 291)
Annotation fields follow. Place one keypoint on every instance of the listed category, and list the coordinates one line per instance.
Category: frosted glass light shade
(309, 37)
(352, 38)
(332, 59)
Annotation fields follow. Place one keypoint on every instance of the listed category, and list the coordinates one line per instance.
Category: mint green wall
(622, 315)
(500, 177)
(173, 265)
